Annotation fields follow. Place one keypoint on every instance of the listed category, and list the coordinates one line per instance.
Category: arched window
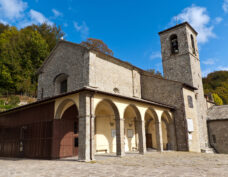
(60, 83)
(174, 44)
(63, 86)
(193, 45)
(190, 102)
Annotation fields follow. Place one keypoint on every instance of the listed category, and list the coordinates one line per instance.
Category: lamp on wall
(112, 122)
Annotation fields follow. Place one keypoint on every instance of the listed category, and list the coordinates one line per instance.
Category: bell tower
(180, 59)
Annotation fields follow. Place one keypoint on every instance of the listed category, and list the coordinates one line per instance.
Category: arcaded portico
(110, 123)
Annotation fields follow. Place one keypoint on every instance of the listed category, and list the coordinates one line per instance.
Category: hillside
(217, 83)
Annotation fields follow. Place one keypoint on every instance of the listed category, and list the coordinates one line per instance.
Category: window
(63, 86)
(61, 83)
(190, 102)
(76, 142)
(174, 44)
(75, 127)
(193, 45)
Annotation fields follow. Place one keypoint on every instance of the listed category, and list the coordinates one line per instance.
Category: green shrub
(14, 100)
(218, 101)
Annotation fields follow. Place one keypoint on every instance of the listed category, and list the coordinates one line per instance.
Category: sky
(130, 27)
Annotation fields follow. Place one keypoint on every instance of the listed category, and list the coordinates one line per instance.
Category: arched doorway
(65, 130)
(151, 129)
(105, 127)
(168, 132)
(131, 128)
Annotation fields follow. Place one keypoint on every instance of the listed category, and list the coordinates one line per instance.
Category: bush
(14, 100)
(218, 101)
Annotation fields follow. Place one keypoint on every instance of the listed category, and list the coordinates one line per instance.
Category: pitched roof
(51, 99)
(177, 26)
(218, 113)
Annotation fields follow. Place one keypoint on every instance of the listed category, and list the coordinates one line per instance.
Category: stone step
(208, 150)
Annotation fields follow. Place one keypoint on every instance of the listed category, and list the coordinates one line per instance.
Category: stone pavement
(152, 164)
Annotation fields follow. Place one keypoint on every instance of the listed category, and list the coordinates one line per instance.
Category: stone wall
(218, 135)
(69, 59)
(192, 121)
(168, 92)
(110, 75)
(185, 67)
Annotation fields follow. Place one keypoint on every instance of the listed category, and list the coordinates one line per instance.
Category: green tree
(217, 82)
(50, 33)
(217, 99)
(156, 73)
(97, 44)
(3, 27)
(22, 53)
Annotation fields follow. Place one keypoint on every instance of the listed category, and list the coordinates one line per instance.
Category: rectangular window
(75, 127)
(190, 102)
(63, 86)
(76, 142)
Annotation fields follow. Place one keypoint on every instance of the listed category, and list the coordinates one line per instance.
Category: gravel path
(152, 164)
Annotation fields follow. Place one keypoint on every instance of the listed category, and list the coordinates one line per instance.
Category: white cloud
(225, 6)
(37, 17)
(33, 17)
(218, 20)
(155, 55)
(210, 70)
(57, 13)
(209, 61)
(3, 22)
(199, 19)
(15, 12)
(223, 68)
(83, 29)
(12, 9)
(206, 72)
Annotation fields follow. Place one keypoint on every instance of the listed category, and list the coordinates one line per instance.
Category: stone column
(120, 149)
(85, 114)
(159, 136)
(142, 137)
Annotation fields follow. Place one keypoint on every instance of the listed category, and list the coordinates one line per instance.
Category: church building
(91, 103)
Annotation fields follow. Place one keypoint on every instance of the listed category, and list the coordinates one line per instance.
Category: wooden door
(148, 140)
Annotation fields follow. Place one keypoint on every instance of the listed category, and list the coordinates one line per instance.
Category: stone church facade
(94, 103)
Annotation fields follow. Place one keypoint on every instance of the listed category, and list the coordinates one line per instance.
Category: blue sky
(130, 28)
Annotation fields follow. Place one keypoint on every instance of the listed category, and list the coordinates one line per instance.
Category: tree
(156, 73)
(22, 53)
(97, 44)
(217, 82)
(50, 33)
(217, 99)
(3, 27)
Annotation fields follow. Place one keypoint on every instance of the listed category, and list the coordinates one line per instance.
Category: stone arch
(66, 103)
(132, 133)
(65, 130)
(60, 78)
(152, 132)
(168, 131)
(174, 44)
(106, 114)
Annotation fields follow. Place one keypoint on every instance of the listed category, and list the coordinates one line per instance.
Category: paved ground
(152, 164)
